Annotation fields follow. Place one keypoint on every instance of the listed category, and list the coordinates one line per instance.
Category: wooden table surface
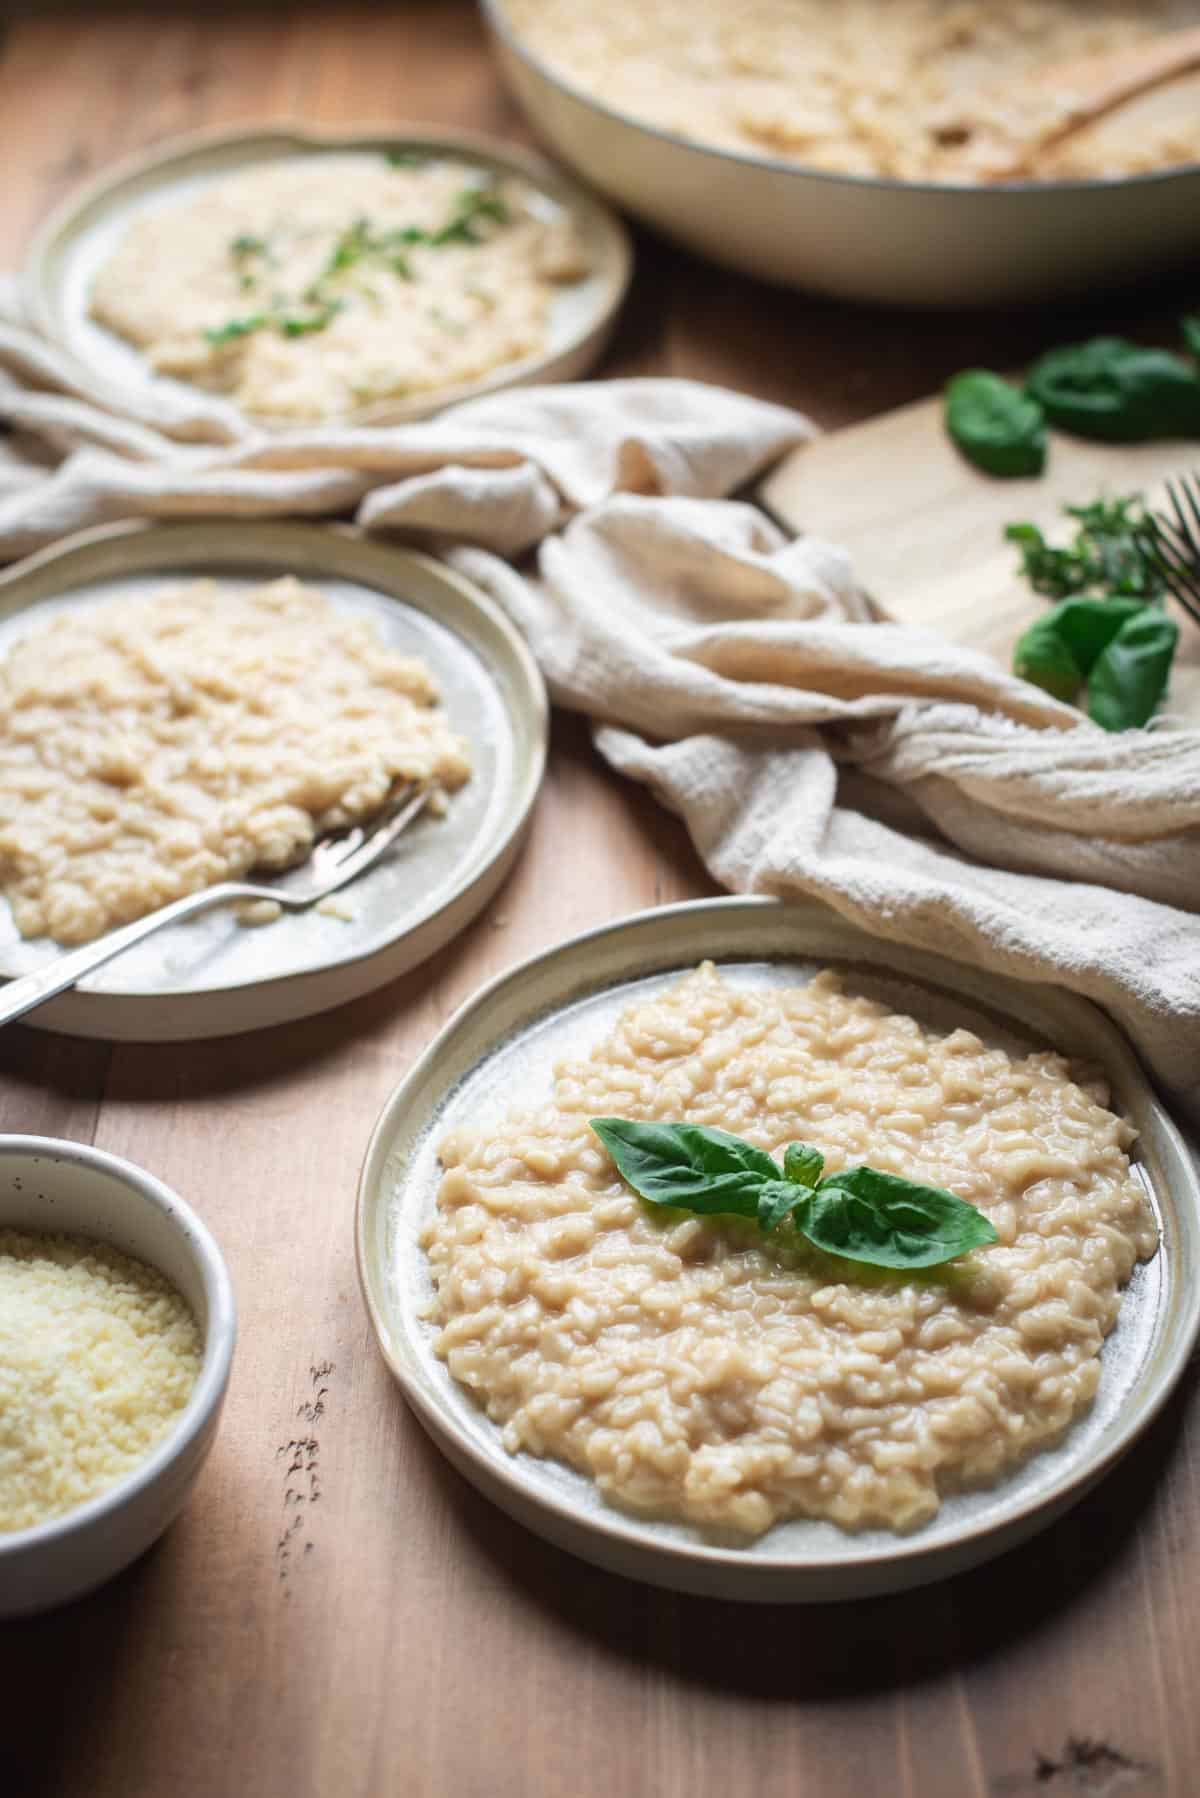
(366, 1624)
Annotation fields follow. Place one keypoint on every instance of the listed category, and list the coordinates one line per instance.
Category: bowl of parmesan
(117, 1327)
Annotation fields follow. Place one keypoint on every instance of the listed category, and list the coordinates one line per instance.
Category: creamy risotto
(150, 747)
(871, 87)
(313, 287)
(697, 1369)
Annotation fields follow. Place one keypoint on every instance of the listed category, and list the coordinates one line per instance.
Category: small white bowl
(51, 1186)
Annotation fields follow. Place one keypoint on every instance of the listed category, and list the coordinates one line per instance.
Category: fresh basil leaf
(887, 1221)
(802, 1163)
(1041, 657)
(777, 1199)
(1129, 677)
(1118, 391)
(995, 425)
(691, 1165)
(1088, 626)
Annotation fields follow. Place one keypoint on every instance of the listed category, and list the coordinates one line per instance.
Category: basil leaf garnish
(888, 1221)
(1117, 391)
(779, 1198)
(1122, 648)
(689, 1165)
(802, 1163)
(1129, 677)
(861, 1214)
(995, 425)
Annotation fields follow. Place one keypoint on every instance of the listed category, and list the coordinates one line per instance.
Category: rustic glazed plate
(81, 234)
(867, 237)
(213, 976)
(506, 1041)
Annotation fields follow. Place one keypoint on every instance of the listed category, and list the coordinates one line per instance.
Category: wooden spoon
(1088, 89)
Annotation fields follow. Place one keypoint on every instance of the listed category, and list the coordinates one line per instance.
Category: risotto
(151, 747)
(697, 1369)
(310, 288)
(866, 87)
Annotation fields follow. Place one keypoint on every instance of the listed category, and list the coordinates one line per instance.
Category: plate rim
(230, 541)
(603, 223)
(619, 1540)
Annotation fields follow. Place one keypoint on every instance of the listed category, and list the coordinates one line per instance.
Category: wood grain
(926, 530)
(337, 1615)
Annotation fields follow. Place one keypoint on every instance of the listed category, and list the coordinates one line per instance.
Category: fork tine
(330, 851)
(1175, 542)
(1188, 487)
(380, 839)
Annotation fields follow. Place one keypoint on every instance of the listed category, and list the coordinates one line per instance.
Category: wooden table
(348, 1618)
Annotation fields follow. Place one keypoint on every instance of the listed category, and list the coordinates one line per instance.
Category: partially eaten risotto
(313, 287)
(940, 90)
(153, 746)
(698, 1369)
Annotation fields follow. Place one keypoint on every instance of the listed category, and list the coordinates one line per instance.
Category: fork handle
(22, 994)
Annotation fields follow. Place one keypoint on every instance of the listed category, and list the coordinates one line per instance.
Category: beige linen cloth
(913, 785)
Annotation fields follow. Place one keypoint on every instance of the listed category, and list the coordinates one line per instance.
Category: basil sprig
(861, 1213)
(1108, 631)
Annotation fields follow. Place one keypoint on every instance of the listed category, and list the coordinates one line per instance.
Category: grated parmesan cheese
(98, 1355)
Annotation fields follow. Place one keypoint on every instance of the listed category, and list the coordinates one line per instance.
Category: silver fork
(333, 863)
(1174, 538)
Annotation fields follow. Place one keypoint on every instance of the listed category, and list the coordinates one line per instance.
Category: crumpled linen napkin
(910, 783)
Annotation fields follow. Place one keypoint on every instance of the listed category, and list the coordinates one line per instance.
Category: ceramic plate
(215, 977)
(507, 1040)
(81, 234)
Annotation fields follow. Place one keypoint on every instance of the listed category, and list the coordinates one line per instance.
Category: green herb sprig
(860, 1213)
(1109, 631)
(1110, 556)
(359, 245)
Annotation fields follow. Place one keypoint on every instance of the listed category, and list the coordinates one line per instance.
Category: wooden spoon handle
(1099, 83)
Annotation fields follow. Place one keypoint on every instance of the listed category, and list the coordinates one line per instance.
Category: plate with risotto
(741, 1253)
(186, 704)
(289, 280)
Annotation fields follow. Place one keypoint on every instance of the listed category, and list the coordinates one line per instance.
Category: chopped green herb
(1110, 556)
(1191, 333)
(471, 205)
(236, 327)
(247, 245)
(407, 159)
(300, 325)
(861, 1213)
(994, 424)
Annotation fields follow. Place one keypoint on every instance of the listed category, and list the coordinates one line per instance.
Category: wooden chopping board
(925, 529)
